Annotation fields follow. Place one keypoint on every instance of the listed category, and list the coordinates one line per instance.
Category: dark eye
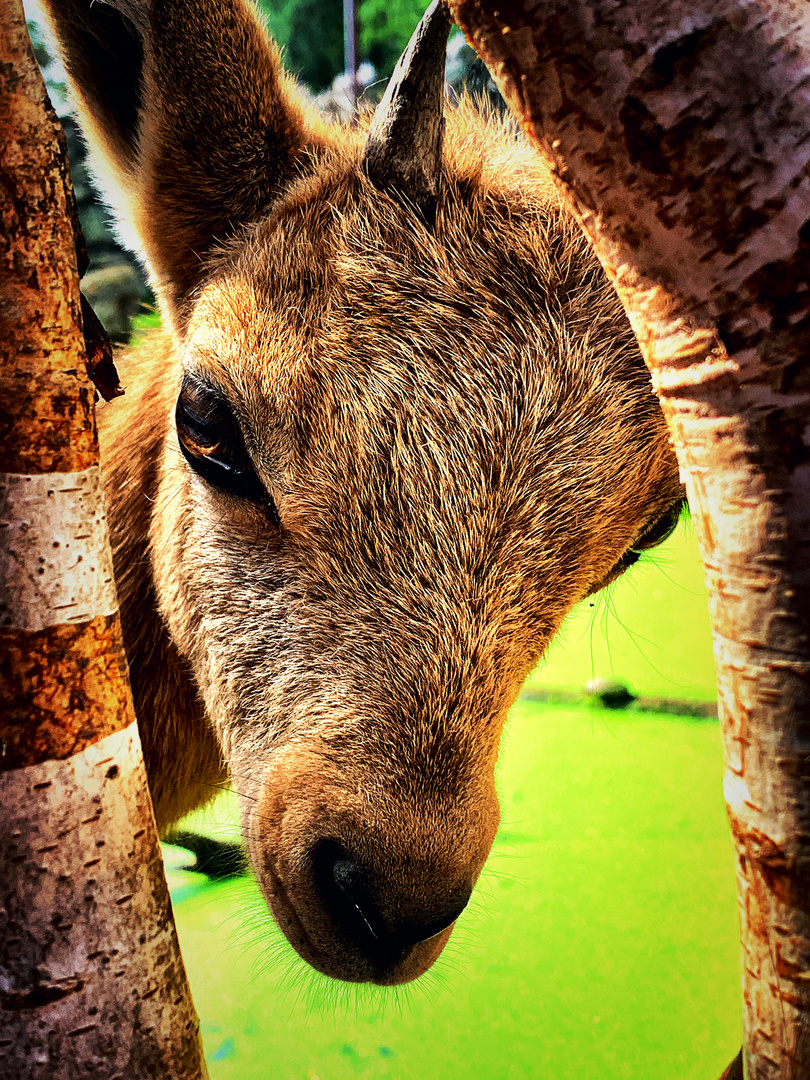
(656, 534)
(212, 442)
(660, 531)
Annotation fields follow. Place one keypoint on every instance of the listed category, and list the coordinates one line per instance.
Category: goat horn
(403, 152)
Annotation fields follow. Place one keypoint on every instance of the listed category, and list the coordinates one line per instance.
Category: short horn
(403, 152)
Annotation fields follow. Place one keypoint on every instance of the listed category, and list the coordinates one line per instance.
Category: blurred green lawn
(601, 943)
(649, 630)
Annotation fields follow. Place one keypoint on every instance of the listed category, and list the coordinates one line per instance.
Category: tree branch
(678, 132)
(91, 978)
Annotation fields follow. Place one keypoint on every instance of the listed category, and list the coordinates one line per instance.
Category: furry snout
(365, 884)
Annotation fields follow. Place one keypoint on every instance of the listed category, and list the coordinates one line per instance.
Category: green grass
(142, 323)
(602, 939)
(650, 630)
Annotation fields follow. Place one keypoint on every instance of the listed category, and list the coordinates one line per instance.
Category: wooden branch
(91, 979)
(679, 133)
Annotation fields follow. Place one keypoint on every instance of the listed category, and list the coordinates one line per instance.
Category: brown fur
(456, 429)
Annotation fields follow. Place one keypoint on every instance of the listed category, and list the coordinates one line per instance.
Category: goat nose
(368, 911)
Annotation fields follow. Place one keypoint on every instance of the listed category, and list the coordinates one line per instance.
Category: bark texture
(679, 133)
(91, 979)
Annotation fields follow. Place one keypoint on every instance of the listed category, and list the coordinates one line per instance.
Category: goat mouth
(286, 917)
(365, 890)
(343, 957)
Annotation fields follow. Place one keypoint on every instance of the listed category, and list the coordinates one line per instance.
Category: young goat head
(396, 427)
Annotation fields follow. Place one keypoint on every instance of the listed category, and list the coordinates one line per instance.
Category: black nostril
(350, 880)
(411, 933)
(369, 915)
(344, 889)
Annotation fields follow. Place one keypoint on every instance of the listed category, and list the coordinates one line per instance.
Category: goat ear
(191, 125)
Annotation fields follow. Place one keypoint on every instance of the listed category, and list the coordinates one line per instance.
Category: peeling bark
(679, 132)
(91, 978)
(91, 981)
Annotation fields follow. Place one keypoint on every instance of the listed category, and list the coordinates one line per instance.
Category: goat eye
(212, 442)
(656, 534)
(660, 531)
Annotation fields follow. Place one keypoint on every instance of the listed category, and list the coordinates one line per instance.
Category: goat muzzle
(365, 885)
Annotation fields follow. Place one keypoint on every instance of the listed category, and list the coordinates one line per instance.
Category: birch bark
(679, 132)
(91, 978)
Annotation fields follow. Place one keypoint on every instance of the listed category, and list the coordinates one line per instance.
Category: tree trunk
(679, 132)
(91, 979)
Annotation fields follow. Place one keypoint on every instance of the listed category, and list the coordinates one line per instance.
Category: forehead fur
(498, 215)
(418, 398)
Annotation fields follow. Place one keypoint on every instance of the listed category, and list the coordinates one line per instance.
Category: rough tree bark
(91, 979)
(679, 131)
